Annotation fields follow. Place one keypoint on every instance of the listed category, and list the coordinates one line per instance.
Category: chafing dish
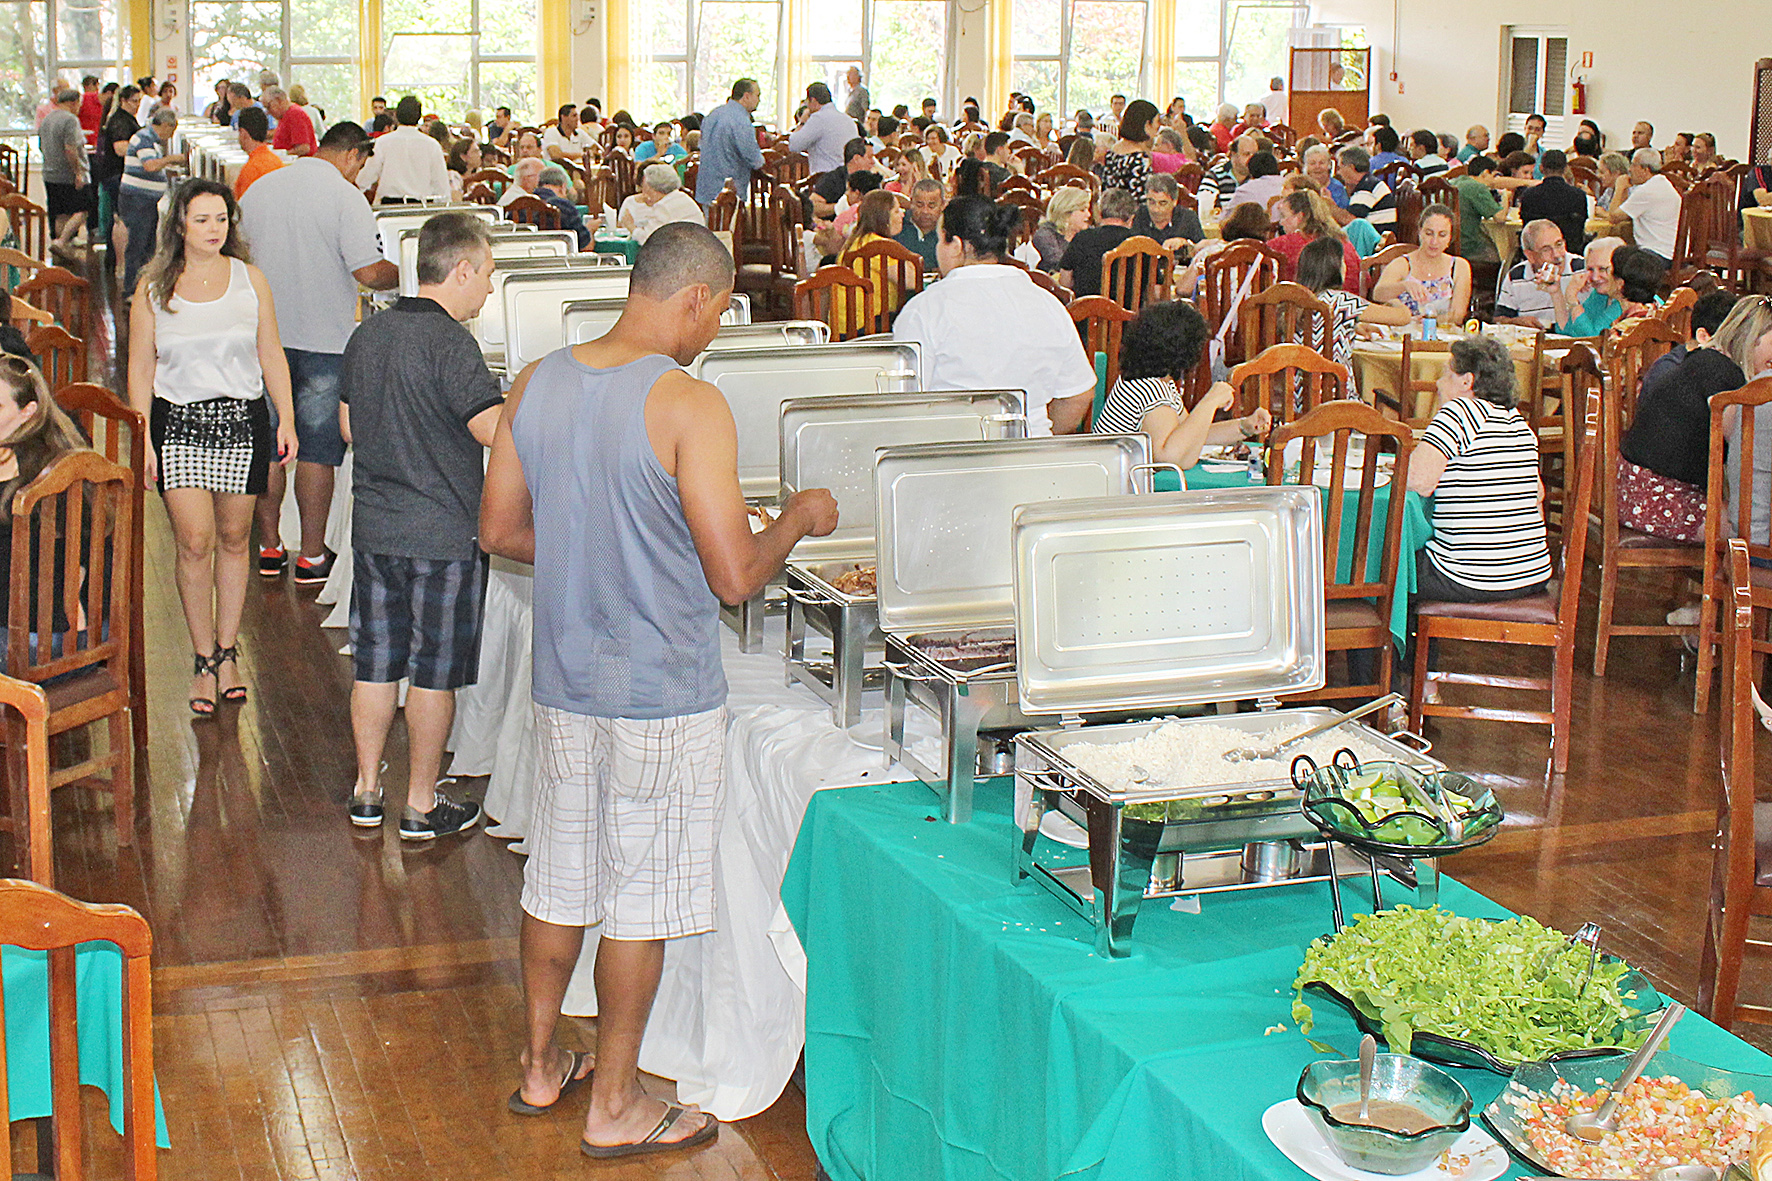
(943, 518)
(831, 443)
(1171, 600)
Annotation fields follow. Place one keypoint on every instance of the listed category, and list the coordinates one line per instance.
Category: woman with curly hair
(1156, 353)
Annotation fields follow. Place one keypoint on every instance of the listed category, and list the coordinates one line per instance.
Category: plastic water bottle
(1430, 327)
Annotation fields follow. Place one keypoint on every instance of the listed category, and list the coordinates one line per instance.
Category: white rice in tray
(1181, 754)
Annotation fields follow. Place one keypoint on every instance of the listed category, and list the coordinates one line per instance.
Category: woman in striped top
(1479, 462)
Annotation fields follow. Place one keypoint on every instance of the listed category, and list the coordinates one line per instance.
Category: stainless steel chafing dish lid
(944, 512)
(757, 381)
(830, 443)
(1173, 599)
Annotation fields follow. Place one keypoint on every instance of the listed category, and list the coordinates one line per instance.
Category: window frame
(1063, 58)
(1556, 127)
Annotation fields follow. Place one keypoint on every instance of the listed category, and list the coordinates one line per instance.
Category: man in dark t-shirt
(1556, 200)
(1080, 268)
(420, 409)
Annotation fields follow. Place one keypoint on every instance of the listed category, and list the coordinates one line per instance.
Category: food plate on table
(1678, 1112)
(1475, 1157)
(1416, 978)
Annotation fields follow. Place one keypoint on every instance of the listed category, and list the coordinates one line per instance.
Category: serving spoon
(1368, 1058)
(1249, 754)
(1593, 1126)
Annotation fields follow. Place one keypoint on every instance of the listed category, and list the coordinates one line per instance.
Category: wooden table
(1756, 229)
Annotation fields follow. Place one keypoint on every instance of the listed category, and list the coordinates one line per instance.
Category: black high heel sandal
(231, 655)
(203, 707)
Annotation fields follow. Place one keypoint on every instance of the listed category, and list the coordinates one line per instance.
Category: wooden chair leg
(1562, 690)
(1418, 682)
(1603, 631)
(1731, 946)
(122, 778)
(1708, 962)
(1707, 643)
(17, 796)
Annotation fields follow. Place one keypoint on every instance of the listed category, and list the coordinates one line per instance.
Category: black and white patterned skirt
(222, 444)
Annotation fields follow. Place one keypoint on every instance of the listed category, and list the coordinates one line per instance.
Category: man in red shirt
(92, 109)
(295, 131)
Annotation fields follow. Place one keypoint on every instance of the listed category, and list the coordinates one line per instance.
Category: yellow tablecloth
(1378, 363)
(1756, 231)
(1506, 234)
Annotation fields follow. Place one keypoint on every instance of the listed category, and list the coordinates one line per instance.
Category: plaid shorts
(417, 618)
(626, 820)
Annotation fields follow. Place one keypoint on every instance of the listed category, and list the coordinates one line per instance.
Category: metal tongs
(1249, 754)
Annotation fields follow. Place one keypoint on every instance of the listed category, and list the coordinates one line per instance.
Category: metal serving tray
(757, 381)
(832, 443)
(852, 625)
(550, 244)
(389, 221)
(489, 326)
(944, 515)
(1174, 599)
(532, 301)
(534, 336)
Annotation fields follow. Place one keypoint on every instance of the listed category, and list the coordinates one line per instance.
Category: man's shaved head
(678, 255)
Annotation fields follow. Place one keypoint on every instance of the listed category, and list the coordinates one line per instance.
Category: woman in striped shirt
(1479, 461)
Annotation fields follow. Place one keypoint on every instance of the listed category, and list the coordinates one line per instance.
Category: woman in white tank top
(203, 357)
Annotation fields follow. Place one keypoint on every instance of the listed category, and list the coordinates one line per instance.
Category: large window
(1075, 54)
(83, 39)
(313, 42)
(456, 54)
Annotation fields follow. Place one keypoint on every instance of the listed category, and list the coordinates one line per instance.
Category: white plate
(1289, 1126)
(1065, 831)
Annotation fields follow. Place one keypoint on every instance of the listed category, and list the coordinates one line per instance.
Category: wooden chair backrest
(1285, 313)
(895, 270)
(63, 294)
(782, 230)
(20, 261)
(627, 173)
(1101, 322)
(30, 224)
(1290, 380)
(496, 178)
(1676, 313)
(1017, 184)
(74, 513)
(1578, 377)
(600, 188)
(1041, 279)
(1409, 207)
(533, 211)
(1337, 423)
(1032, 210)
(1372, 268)
(1222, 278)
(1584, 173)
(839, 297)
(10, 169)
(1060, 174)
(1738, 453)
(1396, 172)
(1701, 205)
(1581, 500)
(1628, 356)
(36, 917)
(1740, 735)
(1136, 272)
(723, 214)
(791, 169)
(27, 741)
(61, 355)
(25, 316)
(1283, 136)
(1188, 175)
(479, 193)
(1436, 190)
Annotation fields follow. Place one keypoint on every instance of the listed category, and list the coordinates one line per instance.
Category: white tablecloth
(729, 1021)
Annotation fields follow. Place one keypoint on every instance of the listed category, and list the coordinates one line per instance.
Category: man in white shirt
(1275, 101)
(661, 200)
(1653, 205)
(528, 172)
(567, 139)
(824, 130)
(408, 165)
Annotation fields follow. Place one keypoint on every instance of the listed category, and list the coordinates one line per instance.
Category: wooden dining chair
(533, 211)
(479, 194)
(72, 531)
(1741, 876)
(1244, 268)
(1437, 190)
(1285, 313)
(1102, 323)
(1626, 358)
(839, 297)
(895, 272)
(600, 189)
(1738, 406)
(1372, 268)
(770, 282)
(27, 316)
(1415, 397)
(1575, 375)
(60, 354)
(62, 294)
(9, 168)
(1046, 282)
(118, 432)
(1676, 313)
(29, 223)
(26, 727)
(497, 179)
(1545, 620)
(1188, 175)
(1290, 380)
(21, 263)
(1358, 603)
(627, 173)
(37, 918)
(1136, 272)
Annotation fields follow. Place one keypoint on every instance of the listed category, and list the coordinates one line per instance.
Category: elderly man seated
(661, 200)
(553, 187)
(1525, 296)
(527, 172)
(1652, 206)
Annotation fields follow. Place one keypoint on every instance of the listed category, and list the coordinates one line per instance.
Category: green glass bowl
(1397, 1078)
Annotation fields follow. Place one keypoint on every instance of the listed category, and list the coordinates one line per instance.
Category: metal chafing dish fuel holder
(943, 515)
(831, 443)
(1187, 598)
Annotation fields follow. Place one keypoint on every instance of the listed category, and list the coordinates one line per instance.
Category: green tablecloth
(959, 1028)
(98, 982)
(1417, 528)
(627, 247)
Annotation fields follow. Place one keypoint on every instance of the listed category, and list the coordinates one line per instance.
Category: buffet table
(98, 985)
(957, 1027)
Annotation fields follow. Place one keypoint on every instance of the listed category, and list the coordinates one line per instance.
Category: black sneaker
(445, 818)
(272, 560)
(314, 573)
(366, 810)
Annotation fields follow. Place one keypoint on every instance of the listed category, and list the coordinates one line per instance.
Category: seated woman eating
(1156, 354)
(1479, 461)
(1320, 271)
(1428, 281)
(1664, 458)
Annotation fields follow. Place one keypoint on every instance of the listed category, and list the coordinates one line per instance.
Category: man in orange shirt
(255, 134)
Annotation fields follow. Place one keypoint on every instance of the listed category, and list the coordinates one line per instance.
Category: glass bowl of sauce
(1417, 1111)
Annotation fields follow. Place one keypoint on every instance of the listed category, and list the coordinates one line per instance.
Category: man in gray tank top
(616, 474)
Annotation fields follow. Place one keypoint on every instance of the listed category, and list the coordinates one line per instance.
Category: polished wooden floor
(330, 1006)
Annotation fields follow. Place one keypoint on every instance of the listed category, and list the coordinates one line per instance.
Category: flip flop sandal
(570, 1083)
(203, 707)
(651, 1143)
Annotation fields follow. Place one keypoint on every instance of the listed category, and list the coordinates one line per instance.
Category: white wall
(1682, 67)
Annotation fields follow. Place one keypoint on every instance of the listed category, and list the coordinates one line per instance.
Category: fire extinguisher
(1578, 97)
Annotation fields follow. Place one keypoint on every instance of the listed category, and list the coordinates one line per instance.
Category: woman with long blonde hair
(206, 369)
(911, 168)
